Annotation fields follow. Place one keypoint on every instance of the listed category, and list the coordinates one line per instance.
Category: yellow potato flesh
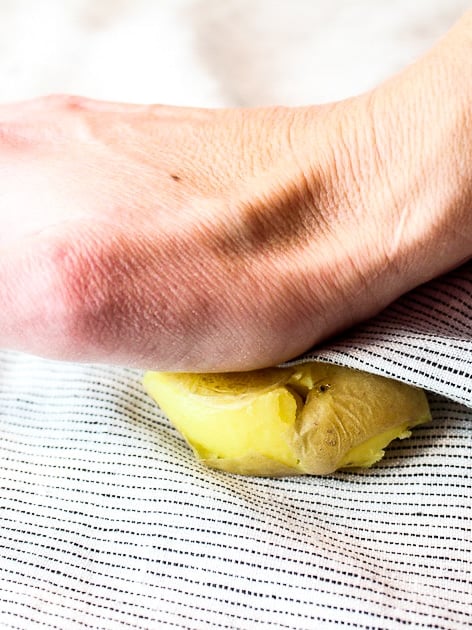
(307, 419)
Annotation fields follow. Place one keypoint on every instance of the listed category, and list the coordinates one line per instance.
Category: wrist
(422, 122)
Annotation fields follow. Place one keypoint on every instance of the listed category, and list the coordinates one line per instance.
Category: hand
(184, 239)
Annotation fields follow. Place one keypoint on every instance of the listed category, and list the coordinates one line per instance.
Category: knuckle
(67, 102)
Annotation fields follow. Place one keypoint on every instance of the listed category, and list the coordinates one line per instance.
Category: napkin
(424, 338)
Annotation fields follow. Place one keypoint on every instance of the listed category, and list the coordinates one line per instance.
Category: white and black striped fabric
(108, 522)
(425, 338)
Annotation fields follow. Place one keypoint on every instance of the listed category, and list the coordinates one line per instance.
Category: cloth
(107, 521)
(425, 339)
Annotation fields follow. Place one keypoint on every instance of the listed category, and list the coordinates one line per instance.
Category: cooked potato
(306, 419)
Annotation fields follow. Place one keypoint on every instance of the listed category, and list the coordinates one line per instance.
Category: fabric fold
(424, 338)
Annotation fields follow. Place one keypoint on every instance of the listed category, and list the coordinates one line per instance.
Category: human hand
(183, 239)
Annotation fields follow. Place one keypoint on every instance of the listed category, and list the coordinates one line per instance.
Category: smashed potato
(310, 419)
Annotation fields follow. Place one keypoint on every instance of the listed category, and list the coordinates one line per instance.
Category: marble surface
(212, 52)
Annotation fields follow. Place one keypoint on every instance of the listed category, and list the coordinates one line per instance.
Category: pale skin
(201, 240)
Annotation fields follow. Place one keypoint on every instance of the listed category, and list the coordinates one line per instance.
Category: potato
(311, 419)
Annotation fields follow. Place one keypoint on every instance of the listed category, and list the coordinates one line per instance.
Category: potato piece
(305, 419)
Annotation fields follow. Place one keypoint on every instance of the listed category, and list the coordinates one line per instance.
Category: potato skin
(346, 408)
